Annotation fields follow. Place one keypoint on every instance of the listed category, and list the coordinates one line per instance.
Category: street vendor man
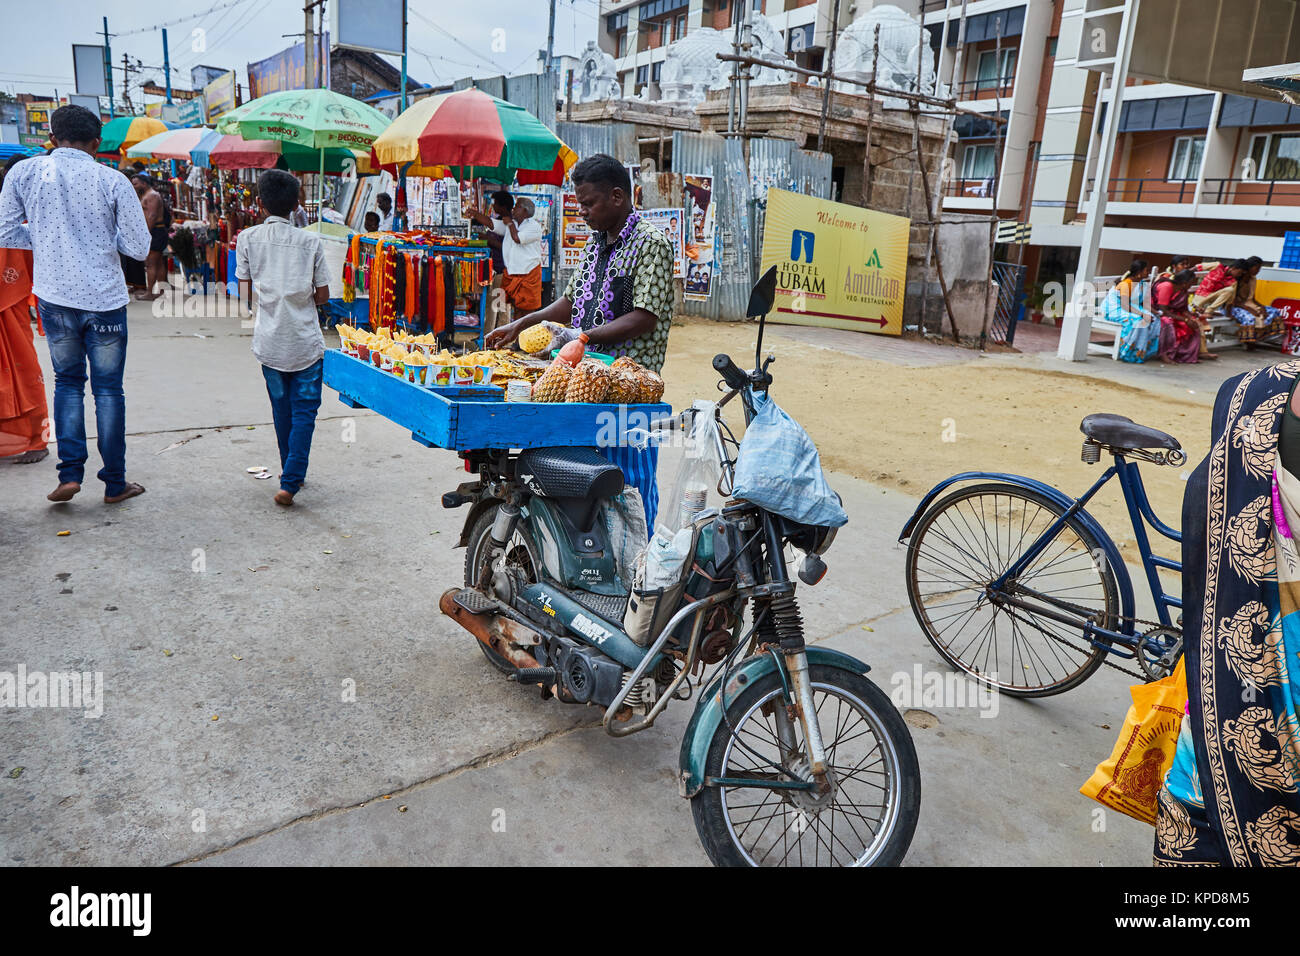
(621, 294)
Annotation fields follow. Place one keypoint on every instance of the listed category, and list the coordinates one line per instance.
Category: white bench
(1221, 330)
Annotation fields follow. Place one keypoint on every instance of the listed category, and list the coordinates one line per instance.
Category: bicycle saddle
(1120, 432)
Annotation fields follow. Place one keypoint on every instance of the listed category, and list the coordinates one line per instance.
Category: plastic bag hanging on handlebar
(695, 486)
(778, 469)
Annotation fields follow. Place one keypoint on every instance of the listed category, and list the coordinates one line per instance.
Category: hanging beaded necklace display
(594, 307)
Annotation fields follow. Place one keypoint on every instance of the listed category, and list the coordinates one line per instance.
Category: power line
(454, 39)
(171, 23)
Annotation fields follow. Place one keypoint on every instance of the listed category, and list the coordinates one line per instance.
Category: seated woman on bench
(1180, 336)
(1139, 336)
(1255, 321)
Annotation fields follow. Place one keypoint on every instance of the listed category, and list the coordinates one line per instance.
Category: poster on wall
(634, 174)
(573, 232)
(838, 266)
(701, 232)
(669, 222)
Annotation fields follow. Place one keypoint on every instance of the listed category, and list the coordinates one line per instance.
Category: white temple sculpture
(692, 68)
(597, 79)
(900, 46)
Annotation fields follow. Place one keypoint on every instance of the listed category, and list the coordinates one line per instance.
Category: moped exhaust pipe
(496, 632)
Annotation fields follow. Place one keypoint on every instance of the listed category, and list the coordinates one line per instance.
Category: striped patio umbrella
(235, 152)
(476, 135)
(125, 131)
(180, 144)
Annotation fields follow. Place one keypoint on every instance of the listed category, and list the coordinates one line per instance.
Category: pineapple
(624, 387)
(589, 382)
(652, 386)
(623, 363)
(535, 339)
(551, 387)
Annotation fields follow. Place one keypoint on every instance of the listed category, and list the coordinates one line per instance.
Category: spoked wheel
(963, 544)
(519, 553)
(869, 816)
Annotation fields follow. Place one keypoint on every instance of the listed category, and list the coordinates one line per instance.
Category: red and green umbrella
(476, 135)
(235, 152)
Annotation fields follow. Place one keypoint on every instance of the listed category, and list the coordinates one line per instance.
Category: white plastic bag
(694, 488)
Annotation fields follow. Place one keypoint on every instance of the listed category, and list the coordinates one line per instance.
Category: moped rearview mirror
(761, 299)
(763, 295)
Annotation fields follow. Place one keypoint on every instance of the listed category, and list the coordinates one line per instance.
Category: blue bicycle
(1016, 584)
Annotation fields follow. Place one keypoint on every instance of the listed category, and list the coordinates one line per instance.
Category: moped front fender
(1122, 579)
(708, 712)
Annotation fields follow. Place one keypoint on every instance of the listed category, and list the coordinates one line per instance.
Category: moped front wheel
(870, 814)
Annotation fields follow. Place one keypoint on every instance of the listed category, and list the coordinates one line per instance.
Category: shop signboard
(838, 266)
(287, 70)
(219, 95)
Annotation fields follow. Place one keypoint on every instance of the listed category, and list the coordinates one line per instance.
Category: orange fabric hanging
(438, 300)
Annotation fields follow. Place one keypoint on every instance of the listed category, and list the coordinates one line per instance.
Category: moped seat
(1120, 432)
(571, 472)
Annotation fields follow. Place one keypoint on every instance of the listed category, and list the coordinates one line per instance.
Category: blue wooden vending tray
(464, 417)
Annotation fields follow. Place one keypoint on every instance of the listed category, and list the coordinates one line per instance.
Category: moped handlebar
(731, 374)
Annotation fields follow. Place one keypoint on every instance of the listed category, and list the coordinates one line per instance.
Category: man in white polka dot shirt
(76, 216)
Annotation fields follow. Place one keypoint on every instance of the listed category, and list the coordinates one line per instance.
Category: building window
(987, 73)
(977, 162)
(622, 44)
(1185, 160)
(666, 32)
(1275, 156)
(640, 75)
(681, 26)
(656, 70)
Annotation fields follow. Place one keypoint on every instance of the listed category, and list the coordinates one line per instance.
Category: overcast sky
(38, 46)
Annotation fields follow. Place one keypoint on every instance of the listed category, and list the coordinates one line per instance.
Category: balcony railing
(1148, 190)
(1246, 192)
(969, 188)
(1252, 192)
(985, 89)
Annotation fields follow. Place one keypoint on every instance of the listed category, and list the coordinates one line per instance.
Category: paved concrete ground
(229, 633)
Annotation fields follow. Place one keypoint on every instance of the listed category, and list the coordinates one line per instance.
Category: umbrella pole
(320, 187)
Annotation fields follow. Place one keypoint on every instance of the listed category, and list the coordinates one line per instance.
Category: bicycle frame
(1141, 514)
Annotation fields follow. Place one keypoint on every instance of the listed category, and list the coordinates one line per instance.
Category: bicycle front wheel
(964, 543)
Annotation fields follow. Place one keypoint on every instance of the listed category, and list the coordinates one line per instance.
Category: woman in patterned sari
(1256, 322)
(1125, 304)
(1231, 798)
(1180, 337)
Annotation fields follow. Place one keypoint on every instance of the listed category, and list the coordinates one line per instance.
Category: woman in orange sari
(23, 413)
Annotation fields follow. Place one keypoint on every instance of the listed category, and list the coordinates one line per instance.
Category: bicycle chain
(1088, 613)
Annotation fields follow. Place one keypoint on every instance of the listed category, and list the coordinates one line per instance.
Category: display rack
(459, 252)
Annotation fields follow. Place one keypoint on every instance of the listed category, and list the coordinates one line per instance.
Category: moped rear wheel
(963, 544)
(519, 553)
(867, 821)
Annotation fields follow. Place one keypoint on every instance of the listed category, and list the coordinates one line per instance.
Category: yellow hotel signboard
(838, 266)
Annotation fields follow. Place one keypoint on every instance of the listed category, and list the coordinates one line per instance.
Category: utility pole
(830, 65)
(108, 69)
(402, 101)
(308, 48)
(322, 51)
(550, 38)
(126, 83)
(167, 67)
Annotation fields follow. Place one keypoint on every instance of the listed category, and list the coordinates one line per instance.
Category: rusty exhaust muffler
(497, 632)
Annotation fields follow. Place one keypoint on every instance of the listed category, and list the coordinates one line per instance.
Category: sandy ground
(910, 427)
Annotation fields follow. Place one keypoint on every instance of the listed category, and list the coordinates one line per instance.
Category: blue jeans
(295, 399)
(75, 336)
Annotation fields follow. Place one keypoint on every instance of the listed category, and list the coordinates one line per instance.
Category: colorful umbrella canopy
(178, 144)
(125, 131)
(315, 118)
(9, 150)
(477, 134)
(235, 152)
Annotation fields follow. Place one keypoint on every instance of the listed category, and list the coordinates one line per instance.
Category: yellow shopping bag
(1130, 778)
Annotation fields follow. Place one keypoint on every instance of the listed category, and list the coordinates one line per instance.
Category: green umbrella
(315, 118)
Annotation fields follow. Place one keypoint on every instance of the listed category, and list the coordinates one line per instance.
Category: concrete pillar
(1077, 327)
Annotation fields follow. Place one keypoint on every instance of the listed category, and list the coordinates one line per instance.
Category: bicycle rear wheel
(963, 544)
